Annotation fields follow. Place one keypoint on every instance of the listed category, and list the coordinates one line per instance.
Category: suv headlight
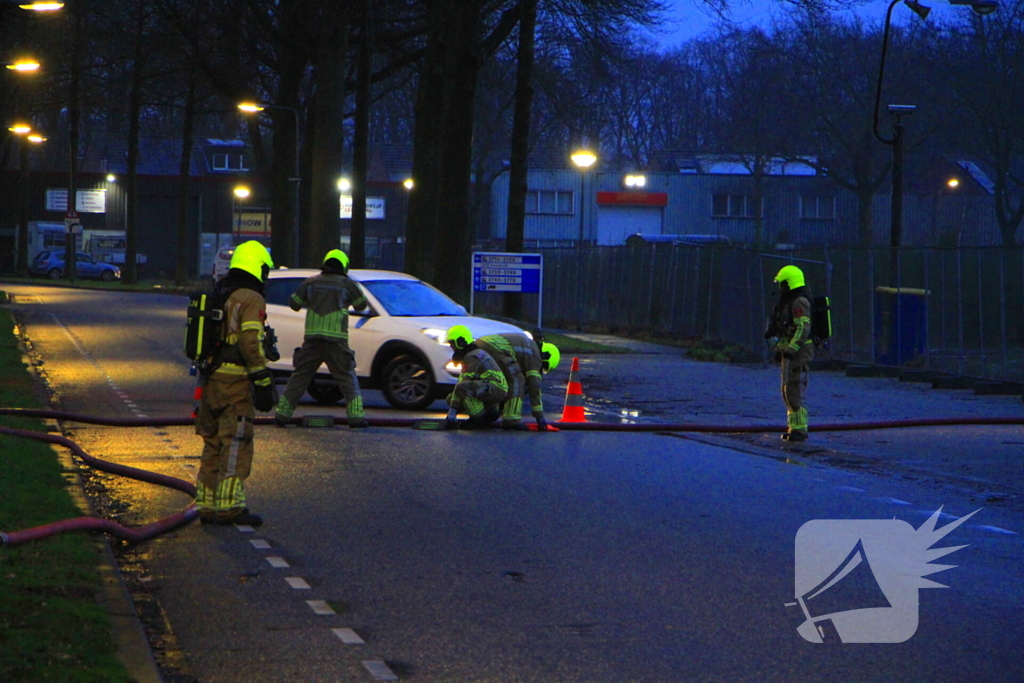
(437, 335)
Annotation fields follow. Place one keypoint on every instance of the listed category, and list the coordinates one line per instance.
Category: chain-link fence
(954, 310)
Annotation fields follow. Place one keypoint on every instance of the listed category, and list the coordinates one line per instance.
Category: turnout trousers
(340, 360)
(225, 421)
(794, 391)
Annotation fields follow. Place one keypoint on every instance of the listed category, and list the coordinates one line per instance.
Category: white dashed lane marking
(244, 528)
(298, 583)
(278, 562)
(320, 607)
(379, 670)
(348, 636)
(260, 544)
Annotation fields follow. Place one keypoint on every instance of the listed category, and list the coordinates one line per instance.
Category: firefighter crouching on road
(239, 385)
(522, 360)
(791, 323)
(482, 385)
(326, 298)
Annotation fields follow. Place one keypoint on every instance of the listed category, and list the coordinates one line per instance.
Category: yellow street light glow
(344, 184)
(111, 177)
(35, 137)
(408, 183)
(43, 6)
(583, 158)
(24, 65)
(20, 128)
(250, 107)
(241, 191)
(952, 182)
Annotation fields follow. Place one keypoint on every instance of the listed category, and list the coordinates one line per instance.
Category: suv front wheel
(407, 383)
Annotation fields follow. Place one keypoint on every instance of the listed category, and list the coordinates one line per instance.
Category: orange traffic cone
(573, 410)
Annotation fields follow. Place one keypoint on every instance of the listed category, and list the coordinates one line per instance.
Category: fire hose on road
(14, 538)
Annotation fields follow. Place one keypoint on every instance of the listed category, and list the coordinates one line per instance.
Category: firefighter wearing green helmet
(326, 298)
(239, 384)
(522, 360)
(794, 349)
(482, 385)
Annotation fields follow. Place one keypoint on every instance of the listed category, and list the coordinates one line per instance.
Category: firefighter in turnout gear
(239, 384)
(794, 349)
(482, 385)
(326, 298)
(522, 360)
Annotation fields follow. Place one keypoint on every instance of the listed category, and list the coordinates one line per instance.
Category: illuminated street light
(583, 159)
(42, 6)
(408, 183)
(23, 65)
(344, 184)
(256, 107)
(20, 129)
(242, 192)
(35, 137)
(635, 181)
(952, 183)
(24, 131)
(111, 178)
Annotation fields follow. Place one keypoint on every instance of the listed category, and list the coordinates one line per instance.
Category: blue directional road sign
(500, 272)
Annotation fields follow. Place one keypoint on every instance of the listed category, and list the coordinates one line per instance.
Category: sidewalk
(659, 384)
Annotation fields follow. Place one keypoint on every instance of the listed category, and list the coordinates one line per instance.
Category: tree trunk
(187, 131)
(427, 162)
(328, 142)
(463, 68)
(360, 143)
(130, 274)
(517, 179)
(282, 241)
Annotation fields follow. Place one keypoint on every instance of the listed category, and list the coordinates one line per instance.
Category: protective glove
(270, 351)
(264, 393)
(542, 423)
(451, 420)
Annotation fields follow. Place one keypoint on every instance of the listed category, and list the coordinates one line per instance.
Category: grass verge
(52, 628)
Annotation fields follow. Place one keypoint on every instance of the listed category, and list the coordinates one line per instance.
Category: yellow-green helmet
(252, 257)
(338, 255)
(549, 356)
(459, 337)
(792, 276)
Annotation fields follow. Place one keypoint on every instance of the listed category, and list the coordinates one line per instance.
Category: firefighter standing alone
(239, 385)
(794, 349)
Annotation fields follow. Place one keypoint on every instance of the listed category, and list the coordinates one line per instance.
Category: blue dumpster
(901, 325)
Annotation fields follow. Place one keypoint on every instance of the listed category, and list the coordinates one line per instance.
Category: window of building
(818, 207)
(733, 206)
(223, 161)
(548, 201)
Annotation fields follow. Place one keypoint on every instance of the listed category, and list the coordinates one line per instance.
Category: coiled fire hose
(134, 535)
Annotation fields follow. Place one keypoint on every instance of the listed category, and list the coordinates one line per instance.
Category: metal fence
(954, 310)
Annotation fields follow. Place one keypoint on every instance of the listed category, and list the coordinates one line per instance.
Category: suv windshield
(411, 298)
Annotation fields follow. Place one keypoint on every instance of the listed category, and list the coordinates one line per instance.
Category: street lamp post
(252, 107)
(583, 159)
(24, 132)
(239, 193)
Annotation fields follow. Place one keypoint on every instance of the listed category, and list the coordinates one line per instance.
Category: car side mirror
(365, 313)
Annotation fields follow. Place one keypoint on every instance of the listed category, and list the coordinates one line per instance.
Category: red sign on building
(633, 198)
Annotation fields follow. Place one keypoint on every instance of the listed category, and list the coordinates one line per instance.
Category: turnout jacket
(793, 318)
(526, 355)
(242, 332)
(326, 298)
(480, 366)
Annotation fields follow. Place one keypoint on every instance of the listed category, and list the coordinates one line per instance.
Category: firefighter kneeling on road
(239, 385)
(522, 360)
(791, 325)
(326, 298)
(482, 385)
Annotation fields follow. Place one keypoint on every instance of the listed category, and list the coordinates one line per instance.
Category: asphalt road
(500, 557)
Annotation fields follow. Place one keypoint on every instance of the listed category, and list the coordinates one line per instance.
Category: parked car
(399, 341)
(222, 262)
(51, 264)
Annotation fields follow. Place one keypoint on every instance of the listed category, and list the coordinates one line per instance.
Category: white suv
(399, 341)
